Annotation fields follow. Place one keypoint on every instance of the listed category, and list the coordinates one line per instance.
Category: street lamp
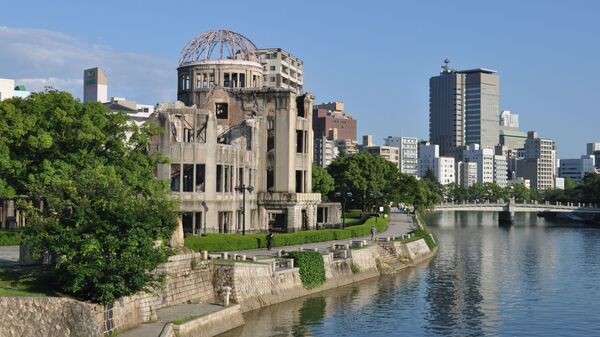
(343, 196)
(243, 189)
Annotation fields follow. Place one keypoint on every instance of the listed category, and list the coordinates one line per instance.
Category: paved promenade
(9, 255)
(399, 223)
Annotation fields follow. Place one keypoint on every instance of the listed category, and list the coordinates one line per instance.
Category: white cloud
(38, 58)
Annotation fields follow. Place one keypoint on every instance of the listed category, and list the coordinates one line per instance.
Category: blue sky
(376, 56)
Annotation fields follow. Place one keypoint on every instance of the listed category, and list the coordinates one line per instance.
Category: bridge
(575, 211)
(519, 207)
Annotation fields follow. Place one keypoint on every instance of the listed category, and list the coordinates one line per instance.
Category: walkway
(399, 223)
(9, 256)
(170, 314)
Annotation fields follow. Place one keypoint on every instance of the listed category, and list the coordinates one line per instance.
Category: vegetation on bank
(235, 242)
(312, 268)
(86, 185)
(10, 237)
(26, 281)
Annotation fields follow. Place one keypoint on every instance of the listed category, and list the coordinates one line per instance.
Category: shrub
(355, 268)
(221, 242)
(312, 268)
(424, 234)
(10, 237)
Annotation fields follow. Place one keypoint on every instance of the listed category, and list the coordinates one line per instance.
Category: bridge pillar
(505, 218)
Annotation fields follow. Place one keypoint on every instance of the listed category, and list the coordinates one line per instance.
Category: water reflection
(532, 278)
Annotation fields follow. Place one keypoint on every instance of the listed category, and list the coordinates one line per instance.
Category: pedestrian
(269, 240)
(373, 230)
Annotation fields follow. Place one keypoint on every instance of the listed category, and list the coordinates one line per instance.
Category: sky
(375, 56)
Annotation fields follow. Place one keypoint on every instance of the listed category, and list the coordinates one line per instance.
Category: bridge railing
(532, 203)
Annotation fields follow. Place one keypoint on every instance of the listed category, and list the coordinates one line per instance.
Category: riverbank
(248, 284)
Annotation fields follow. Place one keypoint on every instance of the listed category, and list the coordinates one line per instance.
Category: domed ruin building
(229, 130)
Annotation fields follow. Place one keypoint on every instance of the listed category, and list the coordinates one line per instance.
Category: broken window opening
(226, 81)
(175, 177)
(270, 180)
(242, 80)
(299, 141)
(240, 181)
(187, 221)
(221, 110)
(254, 81)
(200, 176)
(188, 177)
(234, 80)
(300, 107)
(299, 181)
(212, 80)
(219, 178)
(185, 82)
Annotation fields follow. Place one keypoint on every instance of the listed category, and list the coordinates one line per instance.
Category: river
(535, 278)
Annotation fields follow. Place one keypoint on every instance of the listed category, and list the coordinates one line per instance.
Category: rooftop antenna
(445, 66)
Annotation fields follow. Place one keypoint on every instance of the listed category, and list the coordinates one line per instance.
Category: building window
(219, 178)
(272, 68)
(299, 141)
(272, 79)
(234, 80)
(187, 220)
(270, 180)
(175, 177)
(242, 80)
(240, 177)
(212, 80)
(299, 181)
(185, 82)
(226, 80)
(188, 177)
(200, 176)
(221, 110)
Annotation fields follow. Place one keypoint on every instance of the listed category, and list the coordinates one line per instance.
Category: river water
(535, 278)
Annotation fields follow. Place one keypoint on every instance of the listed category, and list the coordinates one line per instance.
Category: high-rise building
(500, 170)
(330, 120)
(576, 169)
(539, 162)
(466, 174)
(464, 109)
(281, 69)
(95, 85)
(491, 168)
(409, 148)
(593, 149)
(443, 168)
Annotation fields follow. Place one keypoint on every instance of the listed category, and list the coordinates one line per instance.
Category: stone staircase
(386, 262)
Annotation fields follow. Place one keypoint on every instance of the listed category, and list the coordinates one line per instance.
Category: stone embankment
(193, 279)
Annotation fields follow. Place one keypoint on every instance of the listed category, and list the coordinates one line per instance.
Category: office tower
(95, 85)
(463, 109)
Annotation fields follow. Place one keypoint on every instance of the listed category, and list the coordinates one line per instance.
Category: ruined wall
(46, 317)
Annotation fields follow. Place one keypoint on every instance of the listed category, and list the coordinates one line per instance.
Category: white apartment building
(442, 167)
(539, 162)
(409, 156)
(500, 170)
(326, 151)
(281, 69)
(491, 168)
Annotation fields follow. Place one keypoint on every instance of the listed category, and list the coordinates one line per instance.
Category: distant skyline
(377, 57)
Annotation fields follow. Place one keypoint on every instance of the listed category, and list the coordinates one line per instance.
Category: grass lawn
(25, 281)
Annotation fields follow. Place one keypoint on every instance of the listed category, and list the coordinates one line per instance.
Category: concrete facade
(330, 121)
(281, 69)
(463, 109)
(229, 131)
(576, 169)
(539, 162)
(442, 167)
(95, 85)
(409, 153)
(325, 151)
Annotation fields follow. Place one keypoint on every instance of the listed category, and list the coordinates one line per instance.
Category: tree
(91, 200)
(520, 192)
(322, 182)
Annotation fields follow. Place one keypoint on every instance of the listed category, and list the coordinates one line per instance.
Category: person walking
(373, 230)
(269, 240)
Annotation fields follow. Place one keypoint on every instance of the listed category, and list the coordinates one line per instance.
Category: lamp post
(343, 196)
(243, 189)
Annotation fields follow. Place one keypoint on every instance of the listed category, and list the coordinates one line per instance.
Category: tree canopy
(322, 182)
(89, 193)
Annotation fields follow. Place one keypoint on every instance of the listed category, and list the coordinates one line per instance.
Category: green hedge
(10, 237)
(234, 242)
(312, 268)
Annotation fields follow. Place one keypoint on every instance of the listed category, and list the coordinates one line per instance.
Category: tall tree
(322, 182)
(91, 200)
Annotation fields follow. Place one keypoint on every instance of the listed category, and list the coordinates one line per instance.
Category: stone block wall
(47, 316)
